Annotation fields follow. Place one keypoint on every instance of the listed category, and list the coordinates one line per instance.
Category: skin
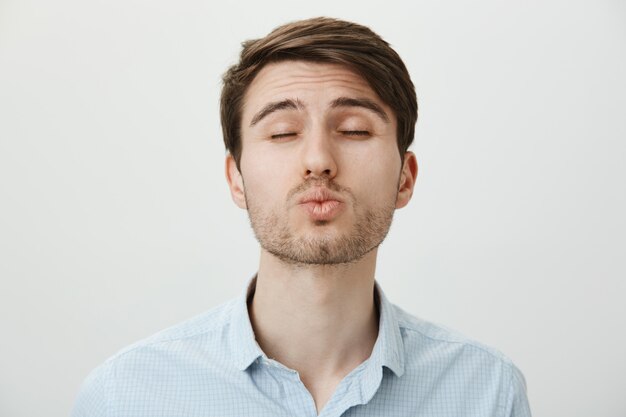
(313, 309)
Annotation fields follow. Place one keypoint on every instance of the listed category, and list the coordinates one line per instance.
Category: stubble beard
(274, 234)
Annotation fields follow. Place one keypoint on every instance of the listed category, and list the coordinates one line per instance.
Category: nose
(319, 156)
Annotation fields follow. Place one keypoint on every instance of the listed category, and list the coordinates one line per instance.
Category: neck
(320, 320)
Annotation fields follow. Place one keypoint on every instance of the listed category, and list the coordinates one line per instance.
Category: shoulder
(193, 332)
(431, 335)
(175, 349)
(195, 327)
(454, 364)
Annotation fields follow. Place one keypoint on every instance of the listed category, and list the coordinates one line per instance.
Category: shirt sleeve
(92, 397)
(517, 400)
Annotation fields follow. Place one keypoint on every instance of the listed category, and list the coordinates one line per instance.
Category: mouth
(321, 204)
(322, 210)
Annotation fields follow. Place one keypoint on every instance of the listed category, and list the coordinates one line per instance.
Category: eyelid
(343, 132)
(283, 135)
(355, 132)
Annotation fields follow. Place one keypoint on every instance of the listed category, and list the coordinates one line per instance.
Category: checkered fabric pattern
(211, 365)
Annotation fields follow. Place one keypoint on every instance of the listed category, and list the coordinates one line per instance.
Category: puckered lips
(321, 203)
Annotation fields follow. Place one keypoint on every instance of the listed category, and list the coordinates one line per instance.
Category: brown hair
(328, 40)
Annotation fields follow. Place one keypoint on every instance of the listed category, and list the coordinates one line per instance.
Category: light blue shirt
(211, 365)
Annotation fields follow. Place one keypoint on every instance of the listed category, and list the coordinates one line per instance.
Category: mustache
(320, 182)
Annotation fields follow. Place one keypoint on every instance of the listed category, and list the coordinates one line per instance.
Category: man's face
(320, 168)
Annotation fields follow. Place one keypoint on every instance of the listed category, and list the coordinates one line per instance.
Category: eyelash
(282, 135)
(355, 132)
(345, 132)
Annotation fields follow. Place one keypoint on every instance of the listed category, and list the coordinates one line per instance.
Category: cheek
(264, 178)
(377, 180)
(380, 164)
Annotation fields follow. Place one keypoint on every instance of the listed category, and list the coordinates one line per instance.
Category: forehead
(306, 81)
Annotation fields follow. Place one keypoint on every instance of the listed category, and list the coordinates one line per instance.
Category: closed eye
(344, 132)
(355, 132)
(283, 135)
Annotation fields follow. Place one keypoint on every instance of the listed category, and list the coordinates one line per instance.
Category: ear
(407, 179)
(235, 182)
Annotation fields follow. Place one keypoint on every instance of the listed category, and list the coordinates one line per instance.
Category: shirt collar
(242, 341)
(389, 347)
(388, 350)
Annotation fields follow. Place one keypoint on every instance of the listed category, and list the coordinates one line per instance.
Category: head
(317, 118)
(323, 40)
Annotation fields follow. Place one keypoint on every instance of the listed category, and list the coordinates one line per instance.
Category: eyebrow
(363, 103)
(289, 104)
(275, 106)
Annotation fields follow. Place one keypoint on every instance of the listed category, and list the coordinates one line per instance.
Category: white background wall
(116, 221)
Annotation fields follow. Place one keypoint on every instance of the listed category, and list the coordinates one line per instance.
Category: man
(317, 119)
